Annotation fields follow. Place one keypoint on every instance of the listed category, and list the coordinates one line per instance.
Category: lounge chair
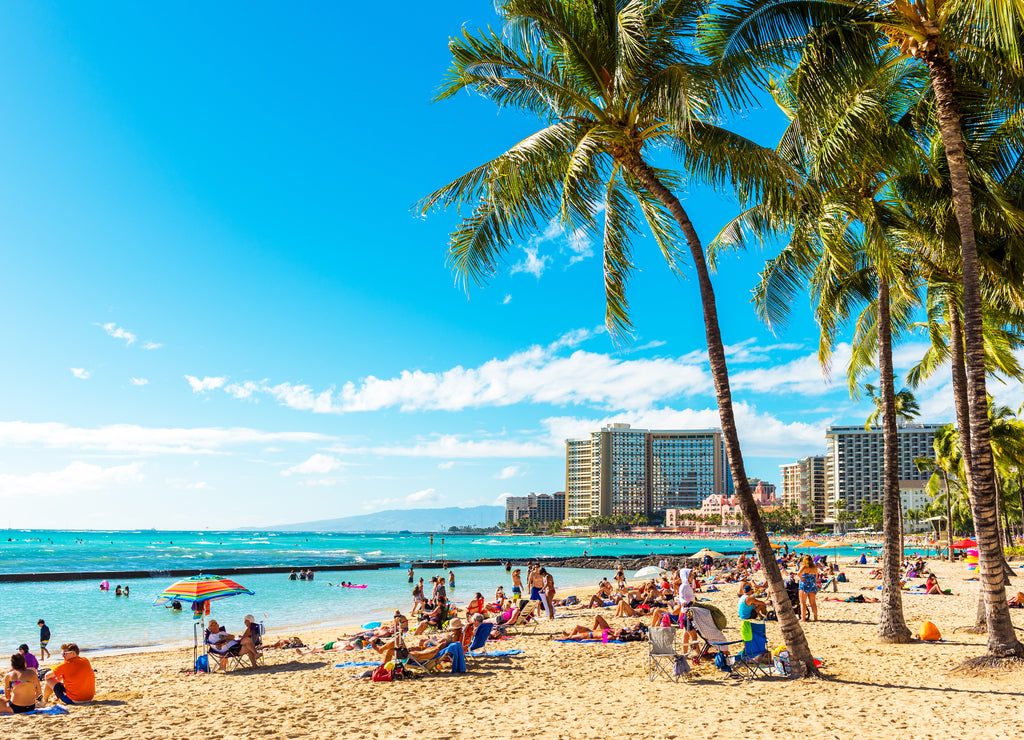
(661, 653)
(478, 647)
(240, 661)
(452, 652)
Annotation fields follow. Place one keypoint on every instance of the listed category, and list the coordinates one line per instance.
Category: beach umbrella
(702, 553)
(651, 571)
(201, 588)
(774, 546)
(835, 545)
(807, 543)
(964, 544)
(196, 590)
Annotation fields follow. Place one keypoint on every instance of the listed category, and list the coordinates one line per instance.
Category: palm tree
(611, 79)
(842, 245)
(949, 39)
(946, 462)
(904, 403)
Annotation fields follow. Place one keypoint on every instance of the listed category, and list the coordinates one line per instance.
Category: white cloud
(803, 376)
(80, 373)
(201, 385)
(539, 374)
(446, 465)
(319, 464)
(507, 300)
(130, 439)
(579, 246)
(461, 447)
(533, 263)
(151, 345)
(510, 471)
(75, 478)
(500, 501)
(138, 381)
(118, 332)
(427, 495)
(749, 351)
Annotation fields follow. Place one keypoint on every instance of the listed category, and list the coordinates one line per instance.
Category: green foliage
(870, 516)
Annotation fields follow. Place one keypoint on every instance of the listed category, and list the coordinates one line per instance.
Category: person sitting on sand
(224, 644)
(73, 680)
(21, 687)
(672, 612)
(499, 595)
(750, 607)
(931, 586)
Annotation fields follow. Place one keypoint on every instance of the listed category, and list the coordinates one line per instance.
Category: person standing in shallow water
(451, 580)
(412, 575)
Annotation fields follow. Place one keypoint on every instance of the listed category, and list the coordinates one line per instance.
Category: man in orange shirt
(73, 680)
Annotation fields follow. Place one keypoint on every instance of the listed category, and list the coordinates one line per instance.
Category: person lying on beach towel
(603, 632)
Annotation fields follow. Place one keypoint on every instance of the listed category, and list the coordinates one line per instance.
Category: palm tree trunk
(949, 518)
(892, 627)
(1020, 496)
(1002, 640)
(956, 354)
(802, 663)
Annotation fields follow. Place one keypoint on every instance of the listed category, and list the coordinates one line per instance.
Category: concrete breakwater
(626, 562)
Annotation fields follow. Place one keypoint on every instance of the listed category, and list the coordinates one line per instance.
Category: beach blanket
(56, 709)
(594, 642)
(496, 654)
(354, 664)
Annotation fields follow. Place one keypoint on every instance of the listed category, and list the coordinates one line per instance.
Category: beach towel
(497, 654)
(56, 709)
(457, 655)
(593, 642)
(354, 665)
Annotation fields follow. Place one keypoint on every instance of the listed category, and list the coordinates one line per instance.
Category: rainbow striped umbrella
(201, 588)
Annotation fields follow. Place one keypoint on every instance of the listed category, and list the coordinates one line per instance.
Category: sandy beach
(568, 691)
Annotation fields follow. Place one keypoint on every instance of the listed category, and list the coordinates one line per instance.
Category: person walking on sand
(517, 584)
(44, 639)
(549, 591)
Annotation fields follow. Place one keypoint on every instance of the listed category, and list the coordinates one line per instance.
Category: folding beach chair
(754, 660)
(240, 661)
(478, 647)
(524, 621)
(661, 653)
(712, 639)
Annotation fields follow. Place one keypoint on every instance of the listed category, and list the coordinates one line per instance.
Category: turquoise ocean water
(77, 611)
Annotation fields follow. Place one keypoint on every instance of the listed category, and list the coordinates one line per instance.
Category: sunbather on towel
(601, 630)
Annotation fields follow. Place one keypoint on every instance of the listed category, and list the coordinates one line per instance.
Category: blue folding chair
(478, 647)
(751, 662)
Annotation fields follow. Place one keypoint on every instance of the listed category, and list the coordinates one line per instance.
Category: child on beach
(44, 639)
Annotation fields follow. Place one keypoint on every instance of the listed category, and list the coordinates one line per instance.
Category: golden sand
(559, 690)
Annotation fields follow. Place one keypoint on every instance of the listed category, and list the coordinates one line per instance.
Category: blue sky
(219, 308)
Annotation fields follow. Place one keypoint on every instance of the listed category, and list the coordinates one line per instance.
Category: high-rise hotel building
(853, 461)
(623, 471)
(803, 484)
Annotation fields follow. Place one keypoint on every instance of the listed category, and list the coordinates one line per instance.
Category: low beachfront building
(725, 508)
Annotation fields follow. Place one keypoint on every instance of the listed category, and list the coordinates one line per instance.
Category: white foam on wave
(359, 559)
(376, 553)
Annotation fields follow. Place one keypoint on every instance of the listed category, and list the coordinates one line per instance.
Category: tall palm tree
(611, 79)
(946, 462)
(842, 246)
(946, 37)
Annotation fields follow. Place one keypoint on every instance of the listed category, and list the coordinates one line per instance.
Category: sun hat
(455, 624)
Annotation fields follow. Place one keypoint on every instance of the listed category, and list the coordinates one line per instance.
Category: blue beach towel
(355, 665)
(56, 709)
(497, 654)
(457, 655)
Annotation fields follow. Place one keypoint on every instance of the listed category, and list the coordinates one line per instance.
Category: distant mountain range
(395, 520)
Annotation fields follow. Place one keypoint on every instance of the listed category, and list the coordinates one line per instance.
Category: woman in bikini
(21, 688)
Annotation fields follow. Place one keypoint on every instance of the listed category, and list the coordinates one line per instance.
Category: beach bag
(202, 664)
(681, 667)
(841, 578)
(930, 633)
(722, 662)
(571, 600)
(380, 673)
